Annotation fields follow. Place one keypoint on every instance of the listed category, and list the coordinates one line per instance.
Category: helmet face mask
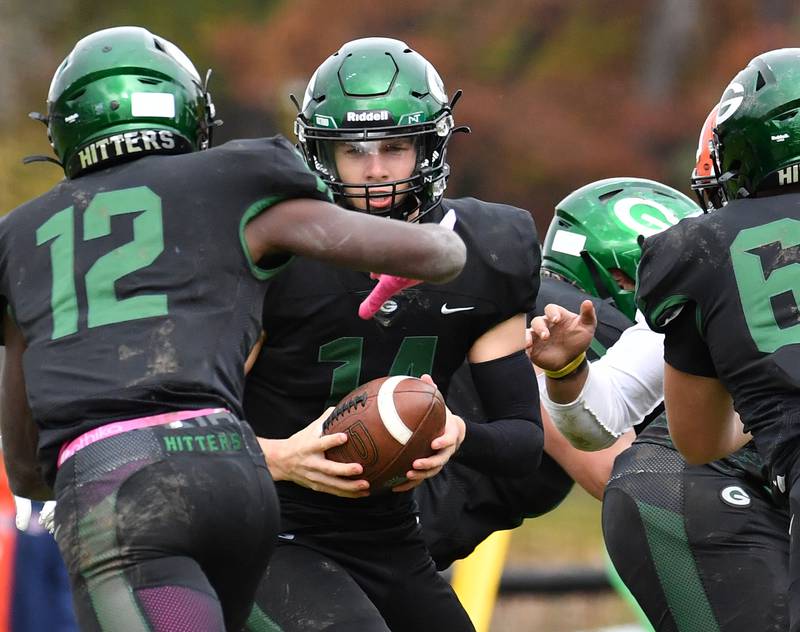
(378, 89)
(705, 175)
(596, 230)
(399, 160)
(122, 92)
(757, 135)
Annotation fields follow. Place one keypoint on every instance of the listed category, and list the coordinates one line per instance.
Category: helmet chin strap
(27, 160)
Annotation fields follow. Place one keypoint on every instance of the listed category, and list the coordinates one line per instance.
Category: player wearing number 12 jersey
(166, 513)
(724, 289)
(375, 124)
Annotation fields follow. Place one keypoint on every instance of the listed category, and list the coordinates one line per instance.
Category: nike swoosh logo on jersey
(452, 310)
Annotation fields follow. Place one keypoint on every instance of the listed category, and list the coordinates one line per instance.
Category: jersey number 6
(766, 263)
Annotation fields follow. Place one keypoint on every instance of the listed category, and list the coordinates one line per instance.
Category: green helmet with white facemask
(596, 229)
(122, 92)
(370, 91)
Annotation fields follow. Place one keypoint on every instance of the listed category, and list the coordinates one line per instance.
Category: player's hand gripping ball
(390, 423)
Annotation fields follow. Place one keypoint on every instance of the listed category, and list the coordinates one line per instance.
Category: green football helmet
(375, 89)
(123, 92)
(757, 135)
(596, 230)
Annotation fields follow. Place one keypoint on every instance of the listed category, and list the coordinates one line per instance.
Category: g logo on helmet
(735, 496)
(644, 217)
(731, 100)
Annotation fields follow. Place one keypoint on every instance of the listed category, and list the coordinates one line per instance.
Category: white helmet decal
(730, 104)
(435, 84)
(648, 221)
(309, 94)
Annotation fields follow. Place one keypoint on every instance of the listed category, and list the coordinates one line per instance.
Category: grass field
(568, 536)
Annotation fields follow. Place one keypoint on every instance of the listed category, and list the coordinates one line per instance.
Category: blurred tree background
(557, 92)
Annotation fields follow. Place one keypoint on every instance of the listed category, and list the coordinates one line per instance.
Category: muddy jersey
(462, 398)
(317, 349)
(728, 283)
(133, 288)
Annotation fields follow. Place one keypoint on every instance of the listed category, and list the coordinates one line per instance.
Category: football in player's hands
(390, 422)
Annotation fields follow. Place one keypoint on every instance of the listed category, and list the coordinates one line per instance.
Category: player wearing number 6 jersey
(134, 291)
(724, 288)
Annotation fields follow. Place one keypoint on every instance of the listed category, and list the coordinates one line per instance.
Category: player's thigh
(628, 548)
(142, 536)
(740, 542)
(794, 562)
(305, 591)
(691, 559)
(399, 576)
(423, 600)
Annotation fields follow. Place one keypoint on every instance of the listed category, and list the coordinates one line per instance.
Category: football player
(375, 123)
(701, 547)
(166, 512)
(723, 288)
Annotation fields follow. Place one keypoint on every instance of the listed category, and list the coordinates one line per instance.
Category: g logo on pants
(735, 496)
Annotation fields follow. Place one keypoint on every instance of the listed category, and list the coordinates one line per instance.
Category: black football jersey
(724, 287)
(317, 349)
(611, 322)
(132, 286)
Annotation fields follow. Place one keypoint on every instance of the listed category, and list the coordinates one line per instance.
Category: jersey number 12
(103, 306)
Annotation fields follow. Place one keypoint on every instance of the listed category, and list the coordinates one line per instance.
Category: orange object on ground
(8, 538)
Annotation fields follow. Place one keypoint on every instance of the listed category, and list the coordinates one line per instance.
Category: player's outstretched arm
(357, 240)
(18, 430)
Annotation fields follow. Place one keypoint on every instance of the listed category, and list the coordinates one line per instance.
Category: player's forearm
(591, 470)
(617, 392)
(28, 483)
(567, 389)
(431, 253)
(326, 232)
(508, 447)
(511, 441)
(274, 456)
(19, 432)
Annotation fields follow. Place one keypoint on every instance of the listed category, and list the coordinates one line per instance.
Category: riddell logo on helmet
(376, 118)
(368, 115)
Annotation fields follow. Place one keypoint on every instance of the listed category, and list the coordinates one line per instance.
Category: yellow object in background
(476, 579)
